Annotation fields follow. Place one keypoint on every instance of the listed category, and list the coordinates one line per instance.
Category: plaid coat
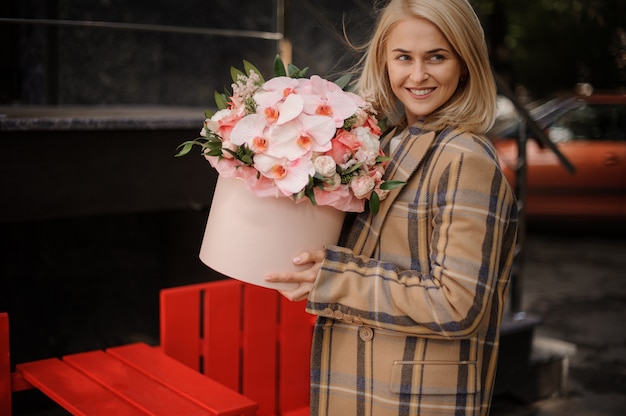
(409, 312)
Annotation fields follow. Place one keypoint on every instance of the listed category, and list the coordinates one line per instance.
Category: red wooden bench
(245, 337)
(134, 379)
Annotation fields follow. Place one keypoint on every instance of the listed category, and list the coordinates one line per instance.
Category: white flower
(330, 184)
(369, 141)
(366, 157)
(245, 87)
(361, 117)
(325, 166)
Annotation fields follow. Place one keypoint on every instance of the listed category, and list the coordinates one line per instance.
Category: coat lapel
(406, 159)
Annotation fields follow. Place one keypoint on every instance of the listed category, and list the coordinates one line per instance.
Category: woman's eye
(436, 58)
(403, 58)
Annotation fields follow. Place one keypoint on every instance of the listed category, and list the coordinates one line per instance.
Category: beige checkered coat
(409, 314)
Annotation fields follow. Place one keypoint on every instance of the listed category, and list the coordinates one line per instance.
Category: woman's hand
(306, 278)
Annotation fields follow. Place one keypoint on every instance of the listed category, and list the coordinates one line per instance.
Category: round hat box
(248, 236)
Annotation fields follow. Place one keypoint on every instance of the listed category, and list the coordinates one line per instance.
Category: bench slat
(221, 343)
(137, 388)
(193, 385)
(180, 325)
(296, 333)
(5, 365)
(74, 391)
(260, 347)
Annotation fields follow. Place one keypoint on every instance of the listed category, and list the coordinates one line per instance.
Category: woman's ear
(464, 76)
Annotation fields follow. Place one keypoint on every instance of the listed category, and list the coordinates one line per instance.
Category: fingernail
(296, 260)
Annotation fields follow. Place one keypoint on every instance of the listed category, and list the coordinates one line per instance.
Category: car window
(590, 122)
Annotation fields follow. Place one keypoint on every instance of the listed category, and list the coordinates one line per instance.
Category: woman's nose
(419, 74)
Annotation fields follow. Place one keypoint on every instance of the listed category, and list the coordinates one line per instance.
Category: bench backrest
(249, 338)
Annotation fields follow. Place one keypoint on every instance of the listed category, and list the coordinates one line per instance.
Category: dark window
(591, 122)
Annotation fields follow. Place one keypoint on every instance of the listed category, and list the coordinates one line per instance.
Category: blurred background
(96, 214)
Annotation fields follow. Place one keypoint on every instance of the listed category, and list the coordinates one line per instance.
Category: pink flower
(290, 176)
(227, 167)
(349, 139)
(362, 186)
(322, 97)
(340, 198)
(223, 122)
(339, 151)
(373, 125)
(250, 130)
(301, 136)
(275, 90)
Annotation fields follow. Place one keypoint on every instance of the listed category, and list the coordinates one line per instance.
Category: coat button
(338, 314)
(348, 318)
(357, 321)
(327, 312)
(366, 333)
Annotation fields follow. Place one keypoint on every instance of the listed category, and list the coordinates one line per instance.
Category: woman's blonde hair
(473, 105)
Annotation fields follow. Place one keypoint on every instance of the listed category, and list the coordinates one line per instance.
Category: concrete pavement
(574, 280)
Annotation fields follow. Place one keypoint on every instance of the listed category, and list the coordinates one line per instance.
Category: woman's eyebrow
(402, 50)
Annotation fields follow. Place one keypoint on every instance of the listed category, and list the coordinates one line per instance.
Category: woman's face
(423, 69)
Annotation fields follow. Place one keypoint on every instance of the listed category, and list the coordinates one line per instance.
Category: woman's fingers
(301, 292)
(305, 278)
(316, 256)
(307, 275)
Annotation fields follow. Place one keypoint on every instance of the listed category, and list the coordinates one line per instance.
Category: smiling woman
(424, 71)
(409, 303)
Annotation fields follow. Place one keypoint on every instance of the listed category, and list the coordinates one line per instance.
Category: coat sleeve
(439, 258)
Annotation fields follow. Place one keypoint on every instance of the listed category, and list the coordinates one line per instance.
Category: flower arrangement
(298, 137)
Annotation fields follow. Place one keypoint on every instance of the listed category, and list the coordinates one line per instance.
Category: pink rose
(343, 145)
(340, 199)
(373, 125)
(362, 186)
(350, 140)
(226, 120)
(339, 152)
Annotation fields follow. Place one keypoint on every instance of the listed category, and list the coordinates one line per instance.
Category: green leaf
(208, 113)
(389, 185)
(247, 66)
(352, 169)
(343, 81)
(295, 72)
(279, 67)
(374, 203)
(235, 73)
(292, 70)
(214, 152)
(310, 193)
(221, 101)
(185, 148)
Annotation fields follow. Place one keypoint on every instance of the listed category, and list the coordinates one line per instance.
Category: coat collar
(411, 151)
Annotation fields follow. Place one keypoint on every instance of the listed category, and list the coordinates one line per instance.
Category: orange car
(590, 132)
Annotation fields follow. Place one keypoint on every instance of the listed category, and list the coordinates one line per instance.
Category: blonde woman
(409, 306)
